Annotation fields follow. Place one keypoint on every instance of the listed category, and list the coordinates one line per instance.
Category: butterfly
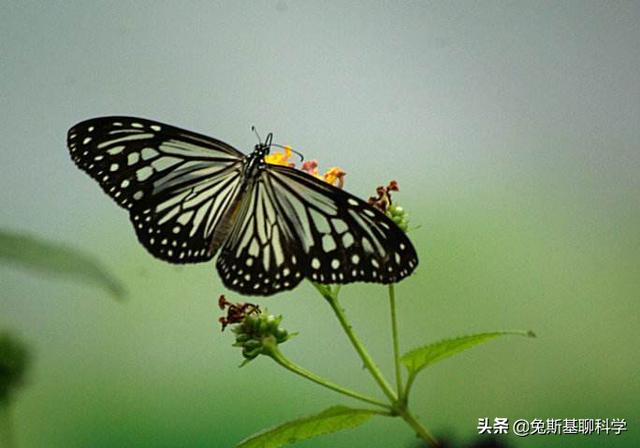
(190, 196)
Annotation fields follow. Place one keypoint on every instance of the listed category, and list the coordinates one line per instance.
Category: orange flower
(280, 158)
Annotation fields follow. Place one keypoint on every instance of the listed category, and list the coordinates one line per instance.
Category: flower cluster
(255, 331)
(333, 176)
(281, 158)
(399, 216)
(383, 199)
(384, 203)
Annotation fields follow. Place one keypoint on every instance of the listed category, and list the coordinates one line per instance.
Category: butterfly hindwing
(344, 239)
(324, 234)
(260, 256)
(176, 184)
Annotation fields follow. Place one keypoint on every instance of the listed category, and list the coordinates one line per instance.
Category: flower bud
(255, 332)
(281, 335)
(399, 216)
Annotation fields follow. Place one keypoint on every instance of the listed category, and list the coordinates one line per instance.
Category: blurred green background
(512, 129)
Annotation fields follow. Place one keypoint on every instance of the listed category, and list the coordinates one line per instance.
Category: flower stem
(332, 298)
(396, 344)
(7, 437)
(277, 356)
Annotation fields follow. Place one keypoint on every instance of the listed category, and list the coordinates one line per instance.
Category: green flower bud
(251, 353)
(281, 335)
(263, 326)
(399, 216)
(242, 338)
(252, 343)
(253, 323)
(255, 332)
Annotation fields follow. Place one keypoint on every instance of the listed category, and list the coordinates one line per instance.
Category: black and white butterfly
(189, 195)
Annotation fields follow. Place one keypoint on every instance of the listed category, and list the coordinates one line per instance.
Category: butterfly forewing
(177, 185)
(321, 232)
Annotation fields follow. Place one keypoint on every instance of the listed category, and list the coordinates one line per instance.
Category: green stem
(396, 344)
(277, 356)
(399, 401)
(7, 437)
(407, 388)
(332, 298)
(420, 430)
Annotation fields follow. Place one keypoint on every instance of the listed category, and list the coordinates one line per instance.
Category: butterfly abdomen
(225, 226)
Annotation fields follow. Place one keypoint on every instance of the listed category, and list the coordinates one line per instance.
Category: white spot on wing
(328, 243)
(149, 153)
(115, 150)
(144, 173)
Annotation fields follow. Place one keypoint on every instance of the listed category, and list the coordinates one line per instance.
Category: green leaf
(52, 258)
(333, 419)
(421, 357)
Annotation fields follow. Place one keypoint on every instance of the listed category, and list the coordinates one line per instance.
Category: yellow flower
(335, 177)
(280, 158)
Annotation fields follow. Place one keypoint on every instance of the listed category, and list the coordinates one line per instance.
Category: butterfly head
(255, 162)
(262, 149)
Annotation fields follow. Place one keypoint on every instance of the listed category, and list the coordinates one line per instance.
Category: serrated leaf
(421, 357)
(333, 419)
(44, 256)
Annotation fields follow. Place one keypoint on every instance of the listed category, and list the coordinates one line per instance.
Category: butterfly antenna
(253, 128)
(299, 154)
(291, 149)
